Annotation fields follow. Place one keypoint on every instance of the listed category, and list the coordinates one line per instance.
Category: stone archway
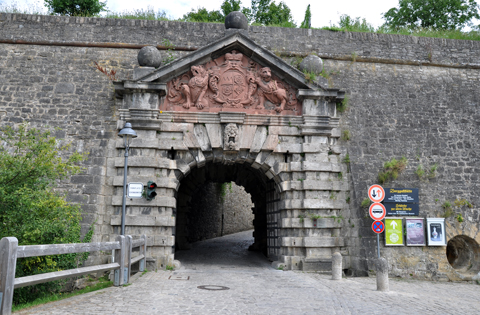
(261, 190)
(236, 105)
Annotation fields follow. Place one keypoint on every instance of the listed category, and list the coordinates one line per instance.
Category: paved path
(256, 288)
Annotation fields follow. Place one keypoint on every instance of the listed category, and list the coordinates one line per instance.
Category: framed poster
(415, 228)
(394, 232)
(436, 232)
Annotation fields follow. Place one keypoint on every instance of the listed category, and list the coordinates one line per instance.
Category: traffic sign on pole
(376, 193)
(377, 211)
(378, 227)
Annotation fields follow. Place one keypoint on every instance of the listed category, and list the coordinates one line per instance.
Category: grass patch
(358, 25)
(346, 135)
(462, 202)
(447, 206)
(310, 76)
(343, 105)
(102, 284)
(391, 169)
(365, 203)
(140, 14)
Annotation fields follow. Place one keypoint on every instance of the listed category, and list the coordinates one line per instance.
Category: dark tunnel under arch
(255, 182)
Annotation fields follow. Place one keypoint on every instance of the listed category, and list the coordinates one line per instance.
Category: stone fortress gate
(224, 103)
(234, 111)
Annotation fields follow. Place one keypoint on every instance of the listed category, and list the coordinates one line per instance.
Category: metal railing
(10, 251)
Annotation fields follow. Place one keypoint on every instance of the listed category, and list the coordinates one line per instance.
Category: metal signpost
(377, 211)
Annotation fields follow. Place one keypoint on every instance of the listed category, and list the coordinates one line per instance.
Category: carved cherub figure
(268, 89)
(196, 88)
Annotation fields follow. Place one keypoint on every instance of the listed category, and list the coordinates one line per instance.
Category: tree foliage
(230, 6)
(263, 12)
(435, 14)
(215, 16)
(267, 12)
(30, 209)
(76, 7)
(307, 21)
(204, 16)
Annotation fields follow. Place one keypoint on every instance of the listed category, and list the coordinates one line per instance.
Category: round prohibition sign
(378, 227)
(376, 193)
(377, 211)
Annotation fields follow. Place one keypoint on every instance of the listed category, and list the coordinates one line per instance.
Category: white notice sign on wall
(134, 190)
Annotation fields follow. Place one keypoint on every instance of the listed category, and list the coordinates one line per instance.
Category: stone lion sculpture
(268, 89)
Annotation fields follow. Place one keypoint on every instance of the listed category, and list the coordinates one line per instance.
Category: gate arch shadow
(261, 189)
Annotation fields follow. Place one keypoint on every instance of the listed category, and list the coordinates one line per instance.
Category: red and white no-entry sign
(378, 227)
(377, 211)
(376, 193)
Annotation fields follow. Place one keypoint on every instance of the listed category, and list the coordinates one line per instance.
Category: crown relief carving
(231, 82)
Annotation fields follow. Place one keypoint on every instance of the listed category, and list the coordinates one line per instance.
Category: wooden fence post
(120, 259)
(128, 247)
(8, 262)
(143, 250)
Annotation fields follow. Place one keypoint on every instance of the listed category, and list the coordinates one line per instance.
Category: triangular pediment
(233, 42)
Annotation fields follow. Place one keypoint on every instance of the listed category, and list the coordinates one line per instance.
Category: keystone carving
(231, 82)
(230, 139)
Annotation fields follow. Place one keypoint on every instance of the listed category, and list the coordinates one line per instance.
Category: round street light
(127, 133)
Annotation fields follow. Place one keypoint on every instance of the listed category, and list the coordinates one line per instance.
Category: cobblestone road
(256, 288)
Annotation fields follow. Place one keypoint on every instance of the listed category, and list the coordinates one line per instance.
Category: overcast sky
(324, 12)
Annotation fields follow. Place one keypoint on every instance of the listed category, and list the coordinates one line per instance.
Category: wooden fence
(10, 251)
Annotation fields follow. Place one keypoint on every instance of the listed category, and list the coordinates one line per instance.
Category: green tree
(307, 21)
(266, 12)
(203, 15)
(357, 24)
(230, 6)
(30, 164)
(76, 7)
(435, 14)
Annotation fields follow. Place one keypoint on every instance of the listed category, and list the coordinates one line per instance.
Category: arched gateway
(233, 111)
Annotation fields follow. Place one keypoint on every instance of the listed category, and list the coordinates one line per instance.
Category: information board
(436, 232)
(402, 209)
(415, 228)
(401, 195)
(394, 232)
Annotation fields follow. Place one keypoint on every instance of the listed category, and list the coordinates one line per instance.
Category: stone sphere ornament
(149, 56)
(312, 63)
(236, 20)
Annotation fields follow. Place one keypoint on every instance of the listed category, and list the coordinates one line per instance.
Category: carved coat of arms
(231, 81)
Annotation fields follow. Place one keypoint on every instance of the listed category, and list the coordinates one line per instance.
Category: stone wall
(430, 115)
(22, 27)
(219, 209)
(408, 96)
(59, 87)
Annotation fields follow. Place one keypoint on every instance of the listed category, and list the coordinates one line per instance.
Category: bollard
(337, 266)
(381, 265)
